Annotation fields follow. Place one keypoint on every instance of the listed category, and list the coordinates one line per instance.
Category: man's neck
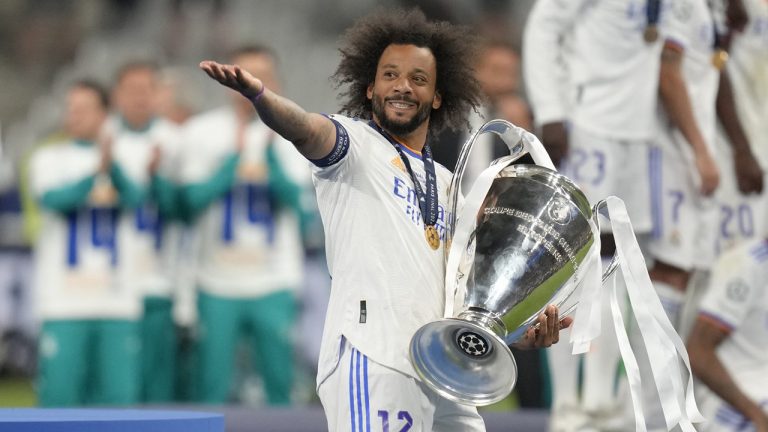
(414, 140)
(138, 125)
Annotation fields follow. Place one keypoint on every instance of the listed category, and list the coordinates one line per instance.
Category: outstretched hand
(234, 77)
(546, 330)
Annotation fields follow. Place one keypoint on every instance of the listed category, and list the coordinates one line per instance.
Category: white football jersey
(247, 249)
(386, 279)
(81, 264)
(150, 243)
(737, 300)
(612, 83)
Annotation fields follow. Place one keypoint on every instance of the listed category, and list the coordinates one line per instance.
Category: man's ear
(437, 100)
(369, 91)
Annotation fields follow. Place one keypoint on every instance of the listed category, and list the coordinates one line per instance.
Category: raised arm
(314, 135)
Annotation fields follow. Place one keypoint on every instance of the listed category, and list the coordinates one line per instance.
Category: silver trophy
(522, 249)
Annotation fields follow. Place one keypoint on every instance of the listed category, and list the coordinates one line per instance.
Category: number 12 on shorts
(404, 418)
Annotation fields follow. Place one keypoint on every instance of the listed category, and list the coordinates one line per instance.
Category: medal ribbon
(428, 200)
(652, 9)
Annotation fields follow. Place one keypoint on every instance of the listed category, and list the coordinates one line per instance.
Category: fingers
(566, 323)
(549, 326)
(224, 74)
(554, 325)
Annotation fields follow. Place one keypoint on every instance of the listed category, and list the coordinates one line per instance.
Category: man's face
(135, 96)
(403, 93)
(84, 114)
(498, 72)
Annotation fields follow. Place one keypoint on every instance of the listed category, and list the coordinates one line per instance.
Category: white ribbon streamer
(662, 341)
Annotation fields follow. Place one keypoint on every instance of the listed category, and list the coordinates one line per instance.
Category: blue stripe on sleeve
(367, 395)
(359, 401)
(340, 148)
(351, 389)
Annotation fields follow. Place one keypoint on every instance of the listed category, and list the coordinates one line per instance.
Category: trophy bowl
(518, 245)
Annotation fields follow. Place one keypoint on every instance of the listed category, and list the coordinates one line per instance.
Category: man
(244, 186)
(407, 77)
(742, 105)
(142, 140)
(593, 65)
(684, 173)
(89, 343)
(728, 345)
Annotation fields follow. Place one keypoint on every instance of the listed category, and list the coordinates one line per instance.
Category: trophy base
(463, 361)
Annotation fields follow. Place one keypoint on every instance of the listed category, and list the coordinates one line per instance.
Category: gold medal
(433, 238)
(719, 58)
(651, 33)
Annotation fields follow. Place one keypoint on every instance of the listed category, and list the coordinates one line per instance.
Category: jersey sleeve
(132, 190)
(54, 191)
(676, 21)
(197, 196)
(732, 291)
(345, 150)
(164, 183)
(544, 56)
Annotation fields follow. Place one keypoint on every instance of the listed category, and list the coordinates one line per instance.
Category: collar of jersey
(389, 137)
(142, 129)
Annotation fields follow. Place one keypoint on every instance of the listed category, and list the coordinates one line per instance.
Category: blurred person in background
(497, 69)
(727, 354)
(89, 343)
(685, 174)
(150, 145)
(728, 345)
(742, 107)
(176, 101)
(17, 321)
(244, 186)
(694, 91)
(591, 70)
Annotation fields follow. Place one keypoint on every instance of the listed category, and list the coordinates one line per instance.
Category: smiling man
(383, 203)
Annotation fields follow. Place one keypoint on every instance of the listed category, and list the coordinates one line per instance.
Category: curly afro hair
(454, 48)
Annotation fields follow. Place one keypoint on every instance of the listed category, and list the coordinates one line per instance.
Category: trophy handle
(518, 140)
(601, 208)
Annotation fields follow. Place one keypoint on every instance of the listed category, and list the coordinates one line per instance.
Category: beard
(399, 127)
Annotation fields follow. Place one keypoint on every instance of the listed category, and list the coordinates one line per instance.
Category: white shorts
(602, 167)
(684, 231)
(741, 217)
(362, 395)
